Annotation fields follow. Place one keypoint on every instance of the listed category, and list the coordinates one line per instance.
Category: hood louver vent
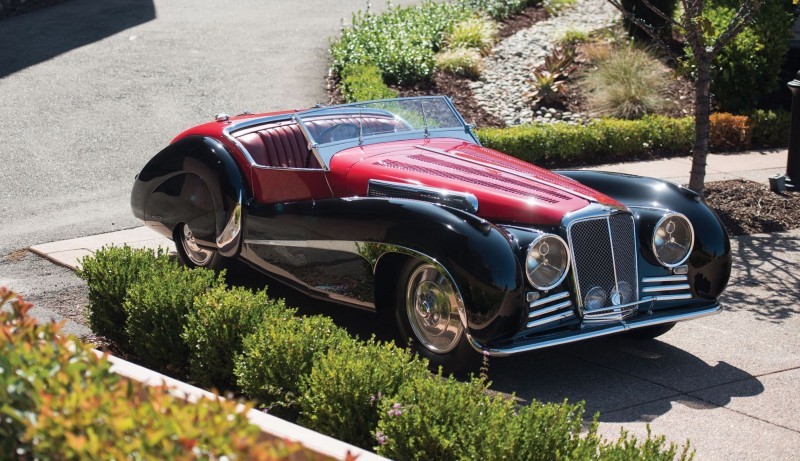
(460, 200)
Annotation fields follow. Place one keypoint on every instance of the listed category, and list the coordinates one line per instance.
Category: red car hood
(508, 189)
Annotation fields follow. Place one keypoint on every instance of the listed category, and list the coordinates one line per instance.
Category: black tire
(650, 332)
(427, 319)
(193, 255)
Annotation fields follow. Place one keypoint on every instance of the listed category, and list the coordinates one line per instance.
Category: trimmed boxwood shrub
(157, 306)
(445, 419)
(770, 128)
(730, 132)
(342, 394)
(61, 401)
(278, 355)
(216, 326)
(108, 273)
(363, 82)
(605, 140)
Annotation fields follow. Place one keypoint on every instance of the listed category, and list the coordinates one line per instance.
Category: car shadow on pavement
(35, 37)
(624, 379)
(766, 265)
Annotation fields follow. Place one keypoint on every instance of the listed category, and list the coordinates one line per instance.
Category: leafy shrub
(364, 82)
(445, 419)
(642, 11)
(217, 325)
(730, 132)
(157, 306)
(602, 141)
(770, 129)
(401, 42)
(749, 66)
(278, 355)
(460, 61)
(627, 84)
(341, 395)
(473, 33)
(61, 401)
(109, 273)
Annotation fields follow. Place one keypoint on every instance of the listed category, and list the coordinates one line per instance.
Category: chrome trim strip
(672, 297)
(469, 198)
(550, 309)
(549, 299)
(612, 329)
(550, 319)
(613, 260)
(667, 278)
(658, 288)
(512, 172)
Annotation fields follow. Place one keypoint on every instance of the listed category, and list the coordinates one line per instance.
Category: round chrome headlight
(673, 238)
(547, 262)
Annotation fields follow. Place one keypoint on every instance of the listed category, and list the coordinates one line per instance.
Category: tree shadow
(624, 379)
(765, 265)
(35, 37)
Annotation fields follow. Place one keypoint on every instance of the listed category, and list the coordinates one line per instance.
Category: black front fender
(195, 181)
(710, 259)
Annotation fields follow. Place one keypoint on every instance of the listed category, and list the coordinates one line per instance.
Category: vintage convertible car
(395, 206)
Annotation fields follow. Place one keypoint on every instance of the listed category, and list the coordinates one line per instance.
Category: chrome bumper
(595, 331)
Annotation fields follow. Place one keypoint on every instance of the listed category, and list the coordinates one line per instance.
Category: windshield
(423, 116)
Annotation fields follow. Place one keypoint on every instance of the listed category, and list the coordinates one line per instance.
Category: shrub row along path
(508, 70)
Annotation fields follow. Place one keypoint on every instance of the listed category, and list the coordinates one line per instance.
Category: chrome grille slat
(552, 318)
(549, 299)
(668, 285)
(604, 255)
(547, 310)
(665, 288)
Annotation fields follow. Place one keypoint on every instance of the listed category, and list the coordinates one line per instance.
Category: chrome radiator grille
(604, 260)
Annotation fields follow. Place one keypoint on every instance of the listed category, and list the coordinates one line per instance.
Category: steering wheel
(338, 132)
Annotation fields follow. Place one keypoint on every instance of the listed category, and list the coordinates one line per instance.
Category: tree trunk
(702, 124)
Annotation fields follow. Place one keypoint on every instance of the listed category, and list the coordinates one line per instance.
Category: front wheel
(426, 311)
(193, 255)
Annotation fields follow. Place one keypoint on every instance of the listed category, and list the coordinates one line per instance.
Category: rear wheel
(650, 332)
(426, 311)
(192, 254)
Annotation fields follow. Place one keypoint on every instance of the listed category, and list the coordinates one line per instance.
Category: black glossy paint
(193, 181)
(710, 260)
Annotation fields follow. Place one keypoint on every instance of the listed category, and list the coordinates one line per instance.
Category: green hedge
(365, 393)
(612, 140)
(363, 82)
(61, 401)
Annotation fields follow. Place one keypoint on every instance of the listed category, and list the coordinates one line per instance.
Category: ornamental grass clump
(216, 327)
(463, 62)
(628, 83)
(473, 33)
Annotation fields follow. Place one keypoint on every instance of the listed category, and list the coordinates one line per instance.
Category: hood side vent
(460, 200)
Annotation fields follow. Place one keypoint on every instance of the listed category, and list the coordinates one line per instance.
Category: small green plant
(108, 273)
(548, 88)
(628, 84)
(460, 61)
(574, 37)
(342, 395)
(554, 7)
(217, 325)
(157, 306)
(364, 82)
(473, 33)
(561, 61)
(278, 355)
(770, 128)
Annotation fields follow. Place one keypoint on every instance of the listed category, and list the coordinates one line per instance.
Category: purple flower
(396, 410)
(380, 438)
(375, 398)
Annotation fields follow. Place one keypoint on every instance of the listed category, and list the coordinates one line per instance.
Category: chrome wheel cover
(432, 310)
(197, 255)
